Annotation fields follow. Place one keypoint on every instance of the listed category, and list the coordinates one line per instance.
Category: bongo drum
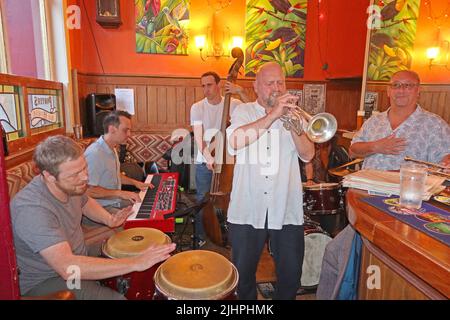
(196, 275)
(129, 243)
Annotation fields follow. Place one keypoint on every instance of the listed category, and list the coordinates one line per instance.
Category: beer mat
(429, 219)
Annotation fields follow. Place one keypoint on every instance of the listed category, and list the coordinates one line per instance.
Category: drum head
(322, 186)
(196, 274)
(315, 244)
(132, 242)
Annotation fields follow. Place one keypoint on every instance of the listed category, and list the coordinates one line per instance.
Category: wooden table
(412, 264)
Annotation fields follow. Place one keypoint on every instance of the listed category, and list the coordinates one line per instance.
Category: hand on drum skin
(142, 186)
(152, 255)
(309, 182)
(119, 217)
(283, 104)
(132, 196)
(390, 145)
(232, 88)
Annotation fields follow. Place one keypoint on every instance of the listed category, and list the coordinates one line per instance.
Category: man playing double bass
(266, 197)
(206, 116)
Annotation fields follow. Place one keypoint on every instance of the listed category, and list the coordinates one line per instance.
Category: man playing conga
(46, 220)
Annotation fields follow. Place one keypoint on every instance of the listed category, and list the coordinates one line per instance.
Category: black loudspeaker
(98, 105)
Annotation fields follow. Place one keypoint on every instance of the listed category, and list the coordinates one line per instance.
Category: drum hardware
(191, 212)
(435, 167)
(123, 284)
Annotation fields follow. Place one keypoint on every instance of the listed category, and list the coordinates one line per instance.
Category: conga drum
(196, 275)
(129, 243)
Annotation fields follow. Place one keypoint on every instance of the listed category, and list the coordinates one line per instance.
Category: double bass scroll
(215, 212)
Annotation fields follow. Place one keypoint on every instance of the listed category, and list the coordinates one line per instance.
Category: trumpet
(319, 128)
(435, 167)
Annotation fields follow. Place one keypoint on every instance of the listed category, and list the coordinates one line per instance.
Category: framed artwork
(162, 26)
(314, 98)
(43, 110)
(392, 26)
(275, 31)
(370, 103)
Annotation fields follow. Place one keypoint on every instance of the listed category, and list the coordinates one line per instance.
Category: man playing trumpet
(266, 198)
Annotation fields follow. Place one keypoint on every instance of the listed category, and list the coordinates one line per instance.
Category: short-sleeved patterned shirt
(427, 136)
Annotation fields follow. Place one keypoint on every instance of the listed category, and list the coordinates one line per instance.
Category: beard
(77, 190)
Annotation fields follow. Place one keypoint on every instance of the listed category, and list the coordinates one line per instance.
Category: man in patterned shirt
(405, 129)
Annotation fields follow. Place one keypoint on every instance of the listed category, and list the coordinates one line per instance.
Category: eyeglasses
(407, 86)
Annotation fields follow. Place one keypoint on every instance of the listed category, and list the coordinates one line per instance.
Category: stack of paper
(388, 182)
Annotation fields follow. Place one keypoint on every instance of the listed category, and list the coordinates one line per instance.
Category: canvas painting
(392, 38)
(162, 26)
(275, 31)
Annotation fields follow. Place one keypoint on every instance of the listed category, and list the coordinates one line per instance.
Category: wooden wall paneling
(171, 105)
(180, 103)
(151, 105)
(190, 99)
(140, 104)
(161, 105)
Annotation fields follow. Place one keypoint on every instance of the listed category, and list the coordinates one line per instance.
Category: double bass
(215, 211)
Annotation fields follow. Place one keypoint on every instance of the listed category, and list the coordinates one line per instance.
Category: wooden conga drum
(129, 243)
(196, 275)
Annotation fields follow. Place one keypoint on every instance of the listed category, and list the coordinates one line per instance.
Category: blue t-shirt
(103, 168)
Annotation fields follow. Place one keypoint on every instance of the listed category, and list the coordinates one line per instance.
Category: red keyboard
(156, 203)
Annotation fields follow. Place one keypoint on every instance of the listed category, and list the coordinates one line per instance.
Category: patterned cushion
(19, 176)
(149, 147)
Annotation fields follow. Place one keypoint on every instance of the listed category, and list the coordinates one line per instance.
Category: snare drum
(315, 242)
(129, 243)
(196, 275)
(322, 198)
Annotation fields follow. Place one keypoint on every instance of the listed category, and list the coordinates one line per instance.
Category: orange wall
(340, 35)
(426, 37)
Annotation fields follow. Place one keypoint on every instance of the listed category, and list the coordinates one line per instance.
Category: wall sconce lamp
(438, 55)
(217, 46)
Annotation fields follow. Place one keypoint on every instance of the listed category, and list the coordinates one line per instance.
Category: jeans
(203, 178)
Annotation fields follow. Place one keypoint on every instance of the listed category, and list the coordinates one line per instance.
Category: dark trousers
(287, 245)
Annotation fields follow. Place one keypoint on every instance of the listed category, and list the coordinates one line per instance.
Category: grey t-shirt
(40, 221)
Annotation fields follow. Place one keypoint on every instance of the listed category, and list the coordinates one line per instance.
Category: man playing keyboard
(105, 178)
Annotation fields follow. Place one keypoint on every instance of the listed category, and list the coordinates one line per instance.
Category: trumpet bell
(321, 127)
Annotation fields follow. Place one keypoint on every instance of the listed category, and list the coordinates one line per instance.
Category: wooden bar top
(421, 254)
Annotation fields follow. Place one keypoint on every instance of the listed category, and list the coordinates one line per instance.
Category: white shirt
(210, 116)
(266, 175)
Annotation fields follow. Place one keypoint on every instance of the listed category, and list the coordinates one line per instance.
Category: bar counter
(412, 264)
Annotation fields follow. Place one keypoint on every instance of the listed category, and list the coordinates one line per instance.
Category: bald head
(269, 81)
(269, 68)
(408, 74)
